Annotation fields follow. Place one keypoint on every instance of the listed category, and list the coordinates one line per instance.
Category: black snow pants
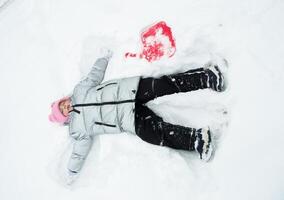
(149, 126)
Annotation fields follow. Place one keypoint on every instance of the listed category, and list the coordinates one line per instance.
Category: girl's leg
(152, 129)
(201, 78)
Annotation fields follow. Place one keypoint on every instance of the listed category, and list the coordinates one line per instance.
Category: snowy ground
(47, 46)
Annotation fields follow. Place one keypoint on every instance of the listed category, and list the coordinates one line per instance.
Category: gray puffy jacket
(99, 109)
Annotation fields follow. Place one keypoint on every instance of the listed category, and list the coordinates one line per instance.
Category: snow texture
(46, 47)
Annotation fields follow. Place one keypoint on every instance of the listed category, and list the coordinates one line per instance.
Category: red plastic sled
(157, 41)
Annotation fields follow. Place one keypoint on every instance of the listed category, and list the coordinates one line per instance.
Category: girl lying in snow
(118, 106)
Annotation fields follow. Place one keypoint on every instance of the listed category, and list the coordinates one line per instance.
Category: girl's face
(65, 107)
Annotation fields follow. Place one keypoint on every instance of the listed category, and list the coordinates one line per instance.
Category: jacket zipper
(106, 85)
(103, 103)
(104, 124)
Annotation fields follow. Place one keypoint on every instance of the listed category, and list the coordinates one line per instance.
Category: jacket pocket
(105, 86)
(104, 124)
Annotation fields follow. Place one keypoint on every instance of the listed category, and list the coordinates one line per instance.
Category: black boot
(186, 138)
(216, 79)
(200, 78)
(191, 80)
(178, 137)
(203, 143)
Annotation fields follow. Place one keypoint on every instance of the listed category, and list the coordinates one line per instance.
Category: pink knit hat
(56, 115)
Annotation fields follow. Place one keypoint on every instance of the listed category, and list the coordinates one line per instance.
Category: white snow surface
(46, 47)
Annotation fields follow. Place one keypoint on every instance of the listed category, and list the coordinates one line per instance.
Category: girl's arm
(96, 75)
(80, 152)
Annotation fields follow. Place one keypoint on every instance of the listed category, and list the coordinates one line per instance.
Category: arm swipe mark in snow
(5, 4)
